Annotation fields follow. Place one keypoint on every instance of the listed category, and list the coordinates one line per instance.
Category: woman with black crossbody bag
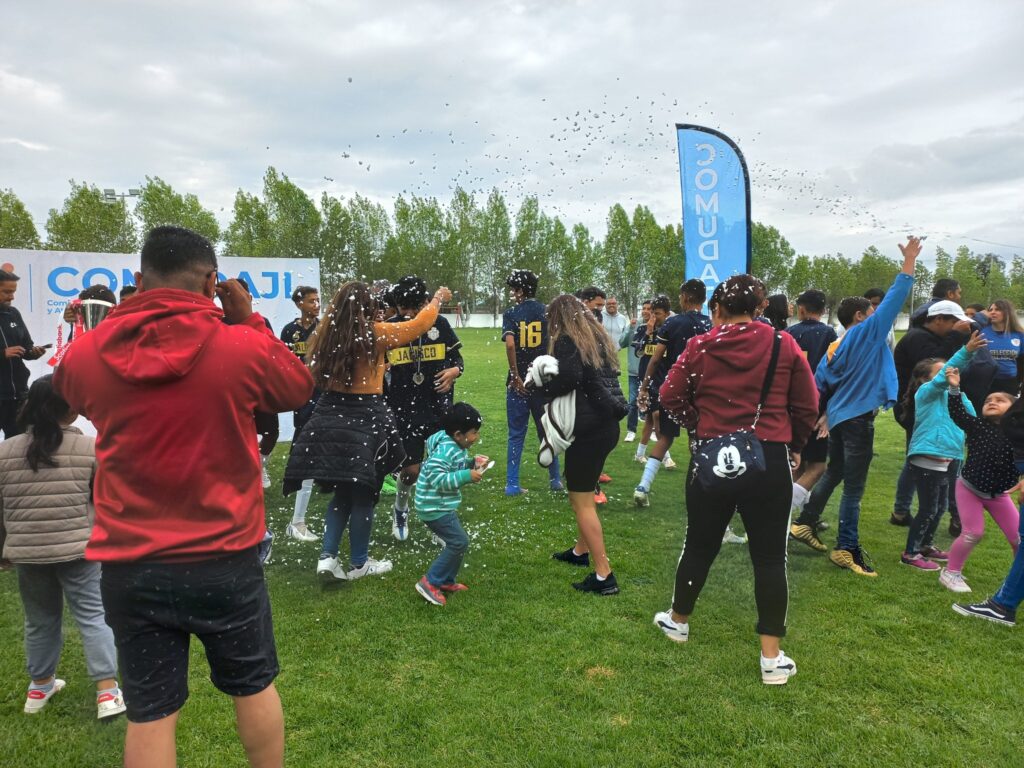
(747, 397)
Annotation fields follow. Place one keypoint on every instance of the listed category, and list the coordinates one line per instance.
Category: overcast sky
(861, 122)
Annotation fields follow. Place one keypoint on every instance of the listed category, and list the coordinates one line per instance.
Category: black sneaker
(989, 610)
(900, 520)
(592, 584)
(572, 558)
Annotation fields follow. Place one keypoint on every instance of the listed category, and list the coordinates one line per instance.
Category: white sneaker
(328, 570)
(630, 437)
(673, 629)
(640, 459)
(370, 568)
(668, 463)
(953, 581)
(300, 532)
(400, 524)
(777, 671)
(641, 497)
(109, 705)
(36, 699)
(733, 538)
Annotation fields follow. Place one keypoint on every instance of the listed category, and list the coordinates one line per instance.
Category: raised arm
(391, 335)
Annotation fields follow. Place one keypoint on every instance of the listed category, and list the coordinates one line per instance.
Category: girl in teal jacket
(935, 444)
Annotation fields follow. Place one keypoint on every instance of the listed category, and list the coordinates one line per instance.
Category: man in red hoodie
(171, 390)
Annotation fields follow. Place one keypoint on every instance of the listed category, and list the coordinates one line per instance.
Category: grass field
(523, 671)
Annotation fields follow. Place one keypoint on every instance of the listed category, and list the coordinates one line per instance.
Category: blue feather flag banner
(716, 205)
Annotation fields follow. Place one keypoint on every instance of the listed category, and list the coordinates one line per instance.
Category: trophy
(92, 312)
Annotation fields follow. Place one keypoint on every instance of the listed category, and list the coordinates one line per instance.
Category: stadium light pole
(112, 196)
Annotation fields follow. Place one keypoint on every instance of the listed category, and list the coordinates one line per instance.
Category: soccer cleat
(603, 587)
(600, 498)
(300, 532)
(668, 463)
(989, 610)
(109, 705)
(429, 592)
(673, 630)
(329, 570)
(640, 459)
(454, 587)
(917, 560)
(604, 478)
(936, 554)
(370, 568)
(400, 524)
(641, 497)
(570, 556)
(900, 520)
(36, 699)
(953, 581)
(630, 437)
(777, 671)
(733, 538)
(805, 535)
(852, 559)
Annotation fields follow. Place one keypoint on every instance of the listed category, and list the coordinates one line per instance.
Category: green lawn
(523, 671)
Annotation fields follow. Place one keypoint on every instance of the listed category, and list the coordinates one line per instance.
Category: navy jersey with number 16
(527, 325)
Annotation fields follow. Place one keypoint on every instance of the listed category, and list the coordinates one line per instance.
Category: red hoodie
(715, 384)
(171, 390)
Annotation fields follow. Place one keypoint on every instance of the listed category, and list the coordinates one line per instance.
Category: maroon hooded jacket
(714, 386)
(172, 390)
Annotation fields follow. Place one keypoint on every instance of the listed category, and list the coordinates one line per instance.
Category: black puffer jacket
(599, 397)
(348, 439)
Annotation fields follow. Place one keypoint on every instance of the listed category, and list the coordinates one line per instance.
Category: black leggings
(268, 430)
(765, 516)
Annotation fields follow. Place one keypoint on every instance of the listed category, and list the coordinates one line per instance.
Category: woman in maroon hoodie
(713, 390)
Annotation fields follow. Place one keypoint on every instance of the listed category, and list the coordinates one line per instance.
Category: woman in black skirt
(588, 366)
(350, 442)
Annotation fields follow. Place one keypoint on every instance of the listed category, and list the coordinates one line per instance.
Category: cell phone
(46, 346)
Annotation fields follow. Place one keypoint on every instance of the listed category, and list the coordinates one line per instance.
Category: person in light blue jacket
(856, 378)
(936, 443)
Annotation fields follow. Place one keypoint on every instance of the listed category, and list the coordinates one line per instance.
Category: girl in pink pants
(985, 480)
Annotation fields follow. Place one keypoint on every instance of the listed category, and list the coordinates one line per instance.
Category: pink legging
(972, 518)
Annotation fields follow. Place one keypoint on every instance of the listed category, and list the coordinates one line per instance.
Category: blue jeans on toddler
(445, 567)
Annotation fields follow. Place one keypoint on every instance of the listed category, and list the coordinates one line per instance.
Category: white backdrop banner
(50, 279)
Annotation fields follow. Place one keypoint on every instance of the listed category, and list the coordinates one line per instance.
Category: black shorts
(816, 451)
(584, 459)
(414, 441)
(666, 425)
(154, 608)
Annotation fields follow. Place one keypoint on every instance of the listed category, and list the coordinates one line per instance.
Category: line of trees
(471, 244)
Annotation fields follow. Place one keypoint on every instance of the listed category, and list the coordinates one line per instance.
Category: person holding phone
(18, 347)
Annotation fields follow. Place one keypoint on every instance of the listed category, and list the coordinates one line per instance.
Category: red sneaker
(600, 498)
(456, 587)
(429, 592)
(604, 478)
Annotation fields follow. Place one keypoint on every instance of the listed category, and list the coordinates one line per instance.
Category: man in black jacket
(18, 347)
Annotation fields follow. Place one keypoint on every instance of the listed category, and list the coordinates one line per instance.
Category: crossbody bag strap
(769, 375)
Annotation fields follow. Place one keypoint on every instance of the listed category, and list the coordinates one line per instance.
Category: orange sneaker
(456, 587)
(600, 498)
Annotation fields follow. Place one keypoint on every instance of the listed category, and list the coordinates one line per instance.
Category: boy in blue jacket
(438, 496)
(856, 378)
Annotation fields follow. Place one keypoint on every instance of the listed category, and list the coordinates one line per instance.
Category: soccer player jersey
(527, 324)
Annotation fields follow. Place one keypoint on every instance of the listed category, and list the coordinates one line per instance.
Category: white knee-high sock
(302, 502)
(650, 470)
(800, 496)
(641, 450)
(402, 494)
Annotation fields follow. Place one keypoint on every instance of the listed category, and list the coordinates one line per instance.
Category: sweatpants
(765, 516)
(43, 588)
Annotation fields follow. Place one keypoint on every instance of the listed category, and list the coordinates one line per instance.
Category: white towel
(559, 417)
